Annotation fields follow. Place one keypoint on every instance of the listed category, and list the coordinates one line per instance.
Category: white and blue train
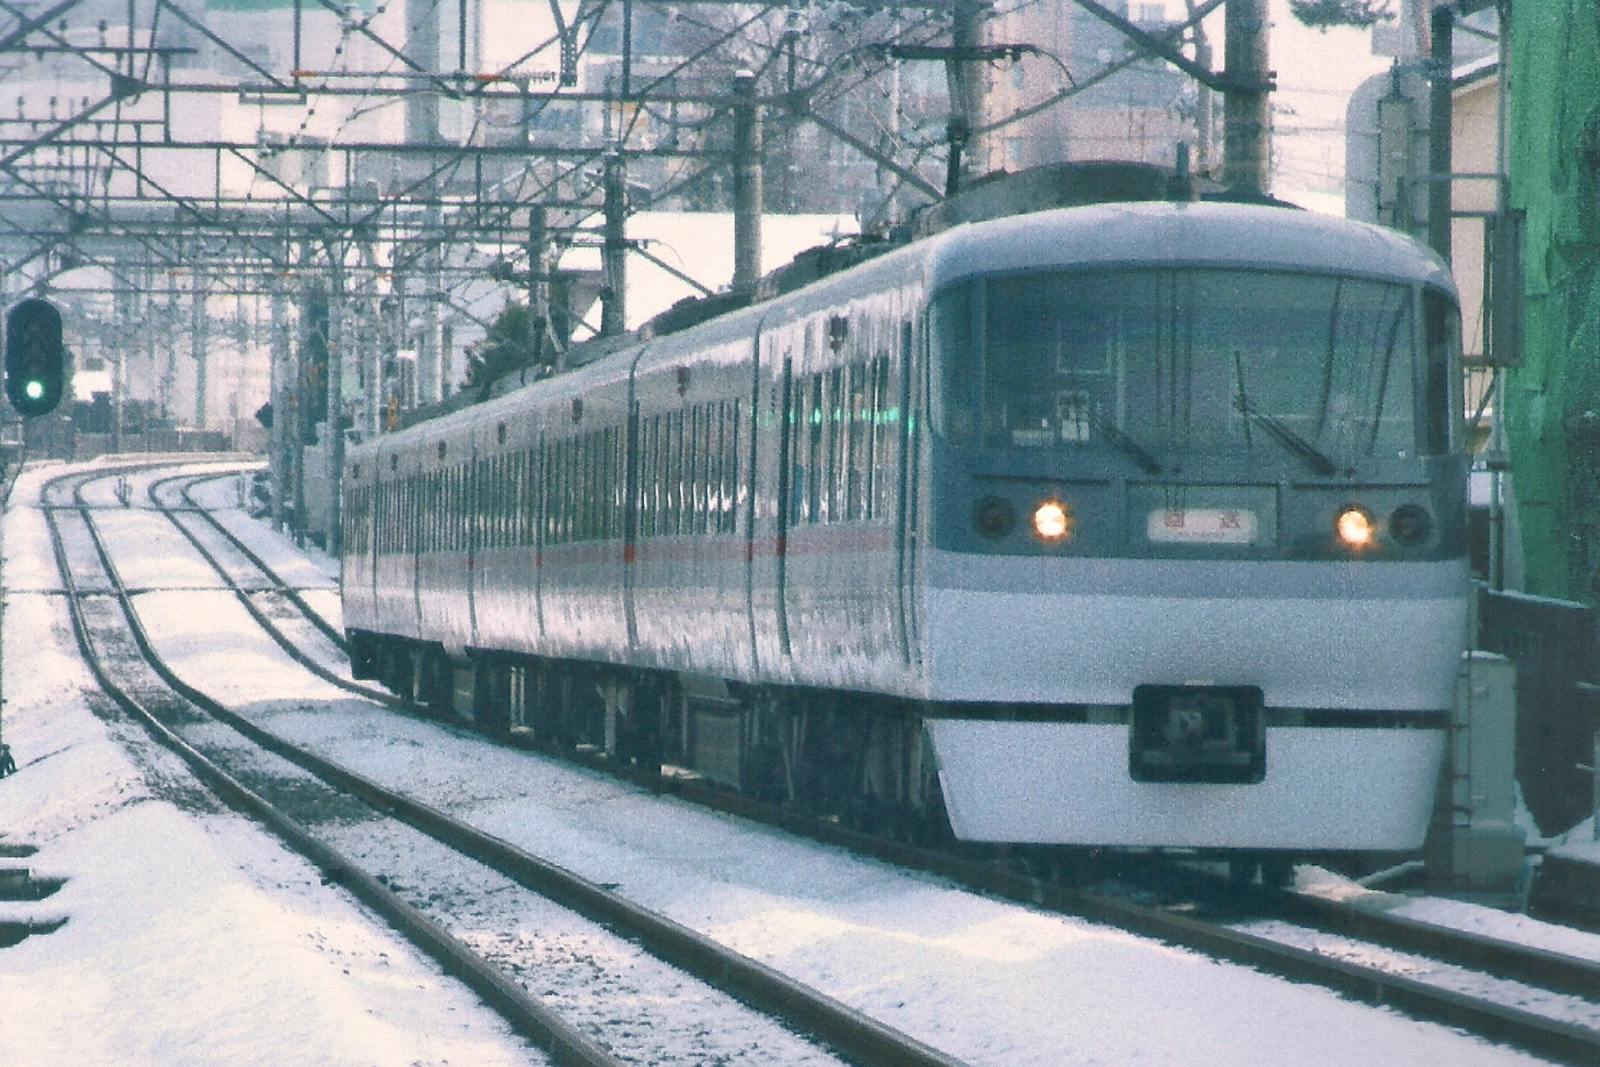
(1125, 524)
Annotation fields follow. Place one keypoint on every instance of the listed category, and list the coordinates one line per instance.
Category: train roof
(1189, 233)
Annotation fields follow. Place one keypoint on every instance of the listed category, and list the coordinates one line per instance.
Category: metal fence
(1552, 642)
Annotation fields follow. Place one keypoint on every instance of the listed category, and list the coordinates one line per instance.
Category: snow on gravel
(986, 980)
(192, 937)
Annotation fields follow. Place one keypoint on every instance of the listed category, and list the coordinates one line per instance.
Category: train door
(630, 516)
(746, 484)
(539, 502)
(788, 445)
(907, 512)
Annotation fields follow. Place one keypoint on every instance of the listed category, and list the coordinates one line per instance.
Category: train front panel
(1198, 563)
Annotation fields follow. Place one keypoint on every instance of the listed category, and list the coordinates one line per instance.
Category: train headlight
(994, 517)
(1052, 521)
(1355, 527)
(1410, 524)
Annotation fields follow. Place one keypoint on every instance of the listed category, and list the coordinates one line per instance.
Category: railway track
(756, 1014)
(1363, 954)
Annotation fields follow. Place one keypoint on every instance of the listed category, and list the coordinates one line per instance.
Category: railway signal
(35, 357)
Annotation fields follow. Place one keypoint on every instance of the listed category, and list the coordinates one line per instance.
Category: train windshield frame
(1324, 367)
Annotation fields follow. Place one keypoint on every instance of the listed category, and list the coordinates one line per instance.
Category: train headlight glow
(1052, 521)
(1355, 527)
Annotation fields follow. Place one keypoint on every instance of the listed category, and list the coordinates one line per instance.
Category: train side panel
(843, 540)
(394, 586)
(688, 579)
(443, 589)
(505, 605)
(356, 565)
(580, 560)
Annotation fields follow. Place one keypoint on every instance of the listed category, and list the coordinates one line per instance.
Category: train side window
(661, 438)
(646, 476)
(838, 441)
(576, 488)
(697, 469)
(693, 463)
(491, 500)
(493, 489)
(583, 498)
(591, 494)
(514, 499)
(680, 478)
(814, 470)
(543, 516)
(536, 493)
(645, 464)
(569, 490)
(702, 466)
(424, 511)
(595, 505)
(501, 486)
(887, 415)
(552, 490)
(861, 440)
(619, 482)
(476, 496)
(675, 473)
(710, 466)
(664, 473)
(691, 470)
(597, 486)
(1442, 347)
(718, 454)
(732, 478)
(563, 491)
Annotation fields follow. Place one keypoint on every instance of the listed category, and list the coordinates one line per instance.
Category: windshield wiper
(1111, 432)
(1289, 439)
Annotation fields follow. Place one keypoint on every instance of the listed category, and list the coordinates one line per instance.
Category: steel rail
(1548, 970)
(279, 585)
(565, 1043)
(853, 1034)
(281, 639)
(1561, 1041)
(1526, 1030)
(1529, 1031)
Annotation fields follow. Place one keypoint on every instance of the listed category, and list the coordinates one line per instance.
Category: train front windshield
(1161, 361)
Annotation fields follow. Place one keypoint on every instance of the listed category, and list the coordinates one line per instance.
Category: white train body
(828, 496)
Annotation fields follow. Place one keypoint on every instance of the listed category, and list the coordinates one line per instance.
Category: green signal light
(34, 388)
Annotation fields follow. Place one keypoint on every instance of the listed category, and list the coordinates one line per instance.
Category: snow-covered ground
(194, 938)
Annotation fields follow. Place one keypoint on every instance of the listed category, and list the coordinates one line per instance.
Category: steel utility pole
(197, 341)
(335, 410)
(1203, 135)
(747, 183)
(1442, 59)
(968, 82)
(1247, 142)
(539, 285)
(614, 305)
(430, 371)
(280, 409)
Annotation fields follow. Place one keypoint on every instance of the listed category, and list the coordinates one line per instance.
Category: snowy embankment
(192, 936)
